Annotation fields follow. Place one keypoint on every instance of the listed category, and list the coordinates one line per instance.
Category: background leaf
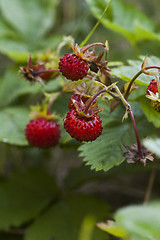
(26, 16)
(24, 196)
(151, 114)
(140, 221)
(68, 218)
(26, 27)
(128, 71)
(112, 228)
(131, 27)
(14, 120)
(153, 144)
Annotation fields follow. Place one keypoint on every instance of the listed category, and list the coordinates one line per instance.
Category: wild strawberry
(152, 87)
(78, 100)
(73, 67)
(83, 128)
(42, 133)
(153, 95)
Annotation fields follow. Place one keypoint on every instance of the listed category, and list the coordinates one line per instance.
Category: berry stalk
(49, 70)
(137, 75)
(129, 109)
(92, 99)
(84, 49)
(136, 132)
(131, 82)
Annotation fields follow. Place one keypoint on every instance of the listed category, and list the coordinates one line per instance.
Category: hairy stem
(129, 109)
(92, 45)
(150, 67)
(131, 82)
(93, 98)
(135, 77)
(136, 133)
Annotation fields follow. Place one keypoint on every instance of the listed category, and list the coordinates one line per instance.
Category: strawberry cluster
(82, 121)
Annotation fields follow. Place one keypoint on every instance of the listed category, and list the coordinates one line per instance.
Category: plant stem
(131, 82)
(94, 28)
(136, 133)
(129, 109)
(92, 45)
(49, 70)
(150, 184)
(93, 98)
(135, 77)
(149, 67)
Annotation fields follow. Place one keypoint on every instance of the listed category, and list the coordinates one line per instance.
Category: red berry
(73, 67)
(79, 100)
(83, 128)
(154, 100)
(42, 133)
(152, 87)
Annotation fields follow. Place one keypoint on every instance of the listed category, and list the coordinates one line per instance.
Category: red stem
(92, 99)
(146, 68)
(136, 133)
(49, 70)
(135, 77)
(92, 45)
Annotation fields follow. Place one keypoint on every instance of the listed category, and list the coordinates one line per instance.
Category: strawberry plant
(80, 118)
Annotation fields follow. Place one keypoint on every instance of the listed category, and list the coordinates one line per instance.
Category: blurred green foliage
(50, 194)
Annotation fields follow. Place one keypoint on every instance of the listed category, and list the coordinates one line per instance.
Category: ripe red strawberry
(78, 100)
(42, 133)
(73, 67)
(153, 95)
(83, 128)
(152, 87)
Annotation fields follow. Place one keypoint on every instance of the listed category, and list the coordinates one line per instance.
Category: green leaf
(112, 228)
(13, 121)
(107, 151)
(61, 104)
(151, 114)
(131, 27)
(70, 219)
(141, 221)
(153, 144)
(19, 50)
(5, 30)
(80, 175)
(24, 196)
(31, 19)
(14, 49)
(127, 72)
